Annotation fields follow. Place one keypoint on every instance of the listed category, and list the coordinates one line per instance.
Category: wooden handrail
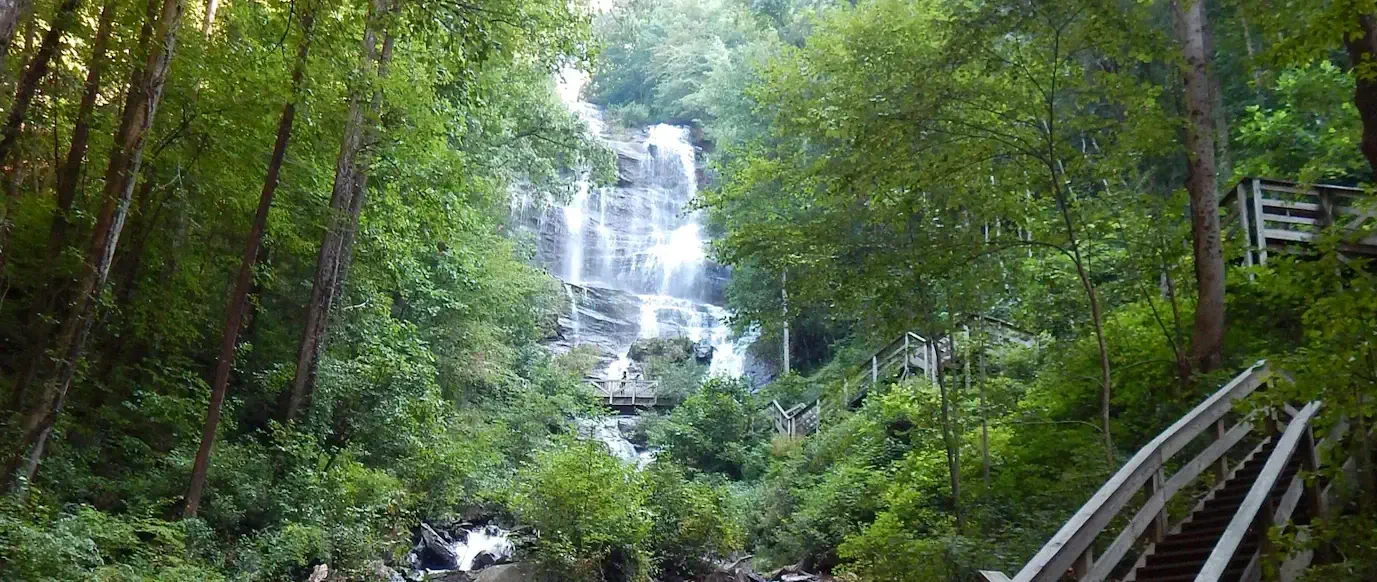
(1074, 540)
(1256, 500)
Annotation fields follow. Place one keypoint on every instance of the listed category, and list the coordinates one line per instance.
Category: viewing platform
(629, 394)
(1277, 216)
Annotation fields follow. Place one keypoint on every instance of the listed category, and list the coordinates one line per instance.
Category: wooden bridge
(1256, 468)
(629, 394)
(1278, 216)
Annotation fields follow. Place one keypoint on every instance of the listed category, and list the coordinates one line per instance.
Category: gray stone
(439, 550)
(523, 572)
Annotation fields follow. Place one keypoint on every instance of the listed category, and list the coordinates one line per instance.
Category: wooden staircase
(1223, 538)
(1180, 556)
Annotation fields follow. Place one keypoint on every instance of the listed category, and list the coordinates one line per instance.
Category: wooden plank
(1289, 235)
(1288, 219)
(1240, 198)
(1288, 204)
(994, 576)
(1080, 531)
(1261, 242)
(1257, 497)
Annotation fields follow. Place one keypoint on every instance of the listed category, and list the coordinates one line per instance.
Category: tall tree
(1362, 52)
(238, 303)
(1192, 31)
(346, 199)
(125, 159)
(11, 12)
(33, 73)
(41, 318)
(69, 174)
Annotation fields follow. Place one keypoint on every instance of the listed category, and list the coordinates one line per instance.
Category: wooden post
(874, 370)
(906, 355)
(1314, 493)
(1222, 469)
(1267, 550)
(1084, 562)
(1159, 522)
(1241, 200)
(1261, 224)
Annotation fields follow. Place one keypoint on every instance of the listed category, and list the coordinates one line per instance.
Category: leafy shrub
(690, 520)
(717, 429)
(589, 510)
(86, 544)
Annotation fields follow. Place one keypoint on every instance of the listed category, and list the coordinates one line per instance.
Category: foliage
(590, 511)
(83, 543)
(692, 520)
(717, 429)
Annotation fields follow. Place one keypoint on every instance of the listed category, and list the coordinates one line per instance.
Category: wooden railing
(908, 354)
(622, 393)
(1274, 215)
(1259, 511)
(1072, 548)
(798, 420)
(912, 353)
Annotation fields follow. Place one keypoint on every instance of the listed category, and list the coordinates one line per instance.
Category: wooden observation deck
(1278, 216)
(629, 394)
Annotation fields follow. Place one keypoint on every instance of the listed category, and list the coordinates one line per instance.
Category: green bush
(690, 520)
(86, 544)
(589, 510)
(718, 429)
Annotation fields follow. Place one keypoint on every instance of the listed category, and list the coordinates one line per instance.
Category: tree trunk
(28, 86)
(984, 419)
(36, 70)
(11, 12)
(67, 182)
(950, 442)
(238, 302)
(346, 200)
(211, 7)
(69, 175)
(784, 297)
(1207, 339)
(125, 159)
(1362, 52)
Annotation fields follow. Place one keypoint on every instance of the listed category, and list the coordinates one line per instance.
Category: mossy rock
(675, 350)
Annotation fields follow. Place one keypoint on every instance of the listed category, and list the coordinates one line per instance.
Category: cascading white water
(633, 256)
(490, 540)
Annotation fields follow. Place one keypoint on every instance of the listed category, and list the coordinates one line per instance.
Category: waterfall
(636, 250)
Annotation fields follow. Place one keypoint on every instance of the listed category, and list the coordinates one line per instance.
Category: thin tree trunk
(211, 7)
(1362, 54)
(1220, 115)
(346, 199)
(11, 12)
(28, 86)
(984, 418)
(1207, 339)
(238, 303)
(784, 297)
(69, 175)
(124, 164)
(953, 456)
(36, 70)
(68, 179)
